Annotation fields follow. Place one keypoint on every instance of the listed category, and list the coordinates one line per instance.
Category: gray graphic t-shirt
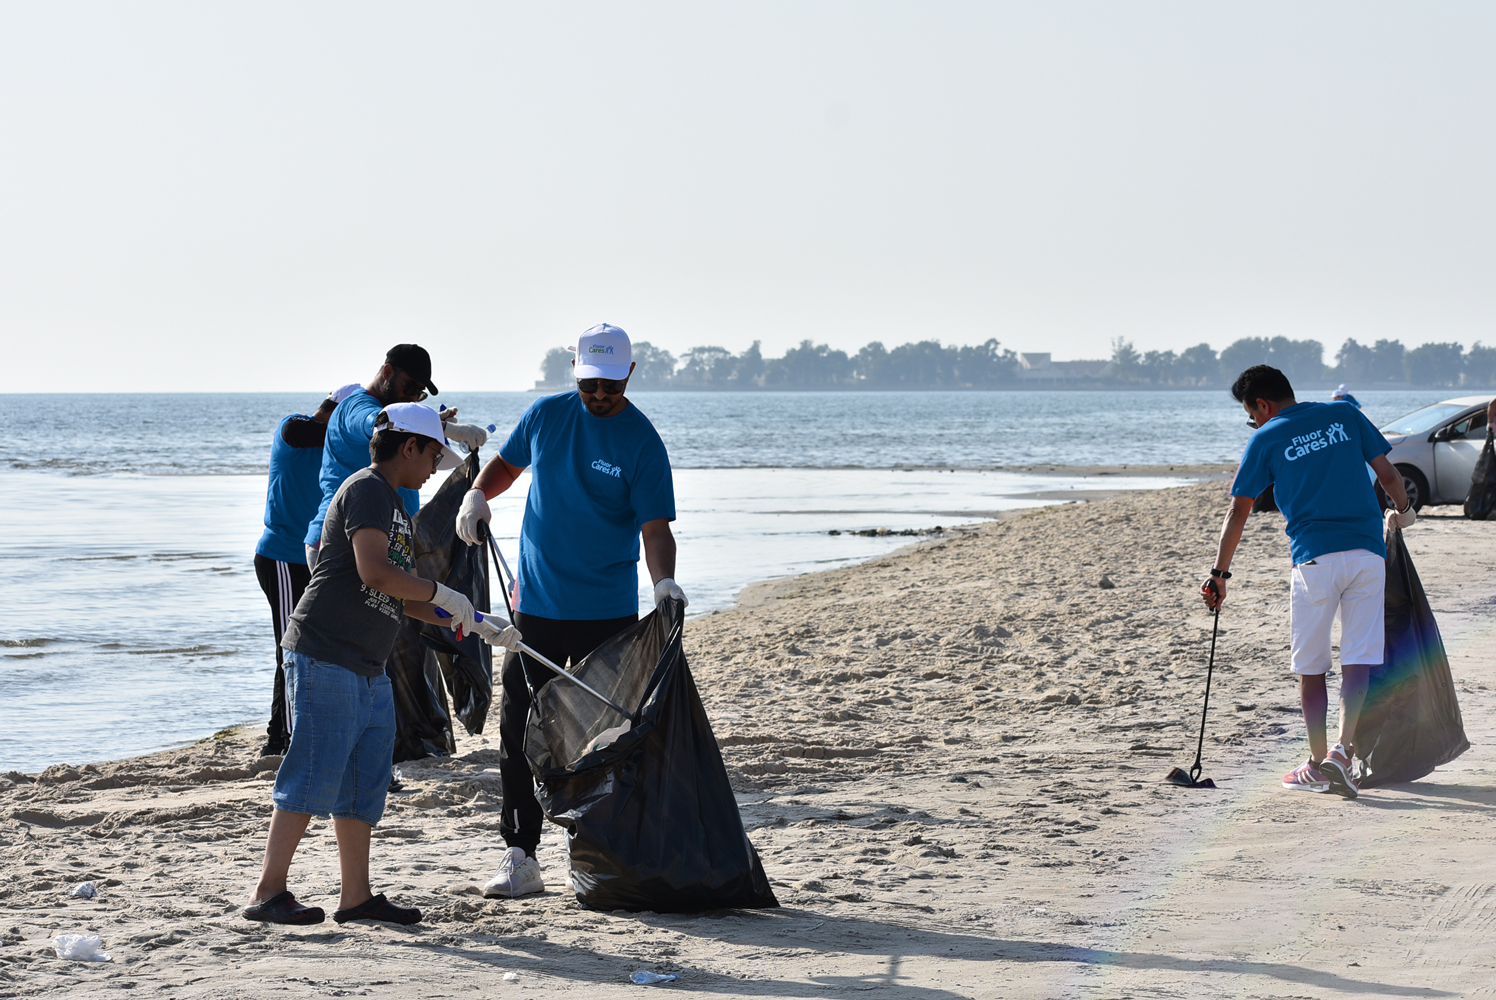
(339, 619)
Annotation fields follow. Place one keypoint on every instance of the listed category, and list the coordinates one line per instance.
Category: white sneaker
(518, 875)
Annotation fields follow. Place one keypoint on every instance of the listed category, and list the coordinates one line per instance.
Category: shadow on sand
(785, 934)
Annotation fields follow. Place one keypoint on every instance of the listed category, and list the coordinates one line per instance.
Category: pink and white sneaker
(1306, 778)
(1338, 768)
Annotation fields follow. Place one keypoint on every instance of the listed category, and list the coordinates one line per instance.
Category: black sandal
(282, 908)
(379, 908)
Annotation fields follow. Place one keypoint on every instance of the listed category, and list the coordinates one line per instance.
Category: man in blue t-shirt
(1314, 456)
(405, 377)
(291, 498)
(599, 482)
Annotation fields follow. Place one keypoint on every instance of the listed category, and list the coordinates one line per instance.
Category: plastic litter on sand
(644, 978)
(510, 977)
(87, 890)
(80, 947)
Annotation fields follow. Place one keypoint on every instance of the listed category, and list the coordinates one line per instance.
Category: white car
(1435, 448)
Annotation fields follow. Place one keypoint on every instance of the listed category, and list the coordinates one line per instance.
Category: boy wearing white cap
(599, 483)
(341, 704)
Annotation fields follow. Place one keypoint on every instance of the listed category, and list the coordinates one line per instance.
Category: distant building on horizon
(1039, 367)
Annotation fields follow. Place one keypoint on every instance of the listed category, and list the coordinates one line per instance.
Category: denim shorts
(342, 739)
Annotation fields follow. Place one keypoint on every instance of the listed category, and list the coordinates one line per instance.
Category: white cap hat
(603, 352)
(417, 418)
(342, 392)
(1341, 390)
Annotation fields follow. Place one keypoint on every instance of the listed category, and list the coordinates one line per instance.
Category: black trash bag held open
(650, 817)
(428, 661)
(1411, 720)
(1480, 503)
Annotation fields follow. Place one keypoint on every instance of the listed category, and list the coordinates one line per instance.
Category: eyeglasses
(611, 386)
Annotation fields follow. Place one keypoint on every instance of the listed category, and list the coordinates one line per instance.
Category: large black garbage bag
(650, 818)
(428, 661)
(1411, 721)
(1480, 503)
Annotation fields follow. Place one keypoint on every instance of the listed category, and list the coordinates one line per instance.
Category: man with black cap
(405, 377)
(600, 483)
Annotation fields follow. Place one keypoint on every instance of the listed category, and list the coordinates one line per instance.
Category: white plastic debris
(645, 978)
(510, 977)
(608, 737)
(80, 948)
(87, 890)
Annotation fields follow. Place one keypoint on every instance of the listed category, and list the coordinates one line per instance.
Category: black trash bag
(428, 661)
(1265, 501)
(423, 724)
(1480, 503)
(1411, 721)
(650, 817)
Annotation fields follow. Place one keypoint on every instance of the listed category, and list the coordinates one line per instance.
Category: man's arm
(1213, 590)
(1391, 481)
(496, 476)
(659, 549)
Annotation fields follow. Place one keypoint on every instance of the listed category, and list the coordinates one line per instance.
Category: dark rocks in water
(887, 533)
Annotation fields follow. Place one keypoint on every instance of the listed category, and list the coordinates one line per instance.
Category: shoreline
(971, 497)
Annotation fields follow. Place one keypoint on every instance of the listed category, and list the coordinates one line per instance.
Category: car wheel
(1415, 485)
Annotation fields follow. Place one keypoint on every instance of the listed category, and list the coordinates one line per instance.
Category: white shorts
(1352, 583)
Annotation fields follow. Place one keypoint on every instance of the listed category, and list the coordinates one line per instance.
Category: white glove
(497, 632)
(459, 607)
(474, 509)
(669, 588)
(469, 434)
(1399, 518)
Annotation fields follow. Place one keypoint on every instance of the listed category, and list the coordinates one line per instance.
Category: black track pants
(283, 584)
(558, 641)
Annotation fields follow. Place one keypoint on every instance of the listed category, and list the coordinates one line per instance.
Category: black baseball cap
(413, 360)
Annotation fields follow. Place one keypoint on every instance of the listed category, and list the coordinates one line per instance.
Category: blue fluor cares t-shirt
(346, 450)
(1314, 456)
(292, 497)
(593, 482)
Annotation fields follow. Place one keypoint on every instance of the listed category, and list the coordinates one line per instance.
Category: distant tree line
(928, 364)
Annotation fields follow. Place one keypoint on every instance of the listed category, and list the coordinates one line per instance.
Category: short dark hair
(1261, 382)
(326, 406)
(386, 443)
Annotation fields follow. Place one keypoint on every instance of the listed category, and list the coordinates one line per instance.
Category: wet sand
(950, 761)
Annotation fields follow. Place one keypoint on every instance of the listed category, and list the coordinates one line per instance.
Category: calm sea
(133, 620)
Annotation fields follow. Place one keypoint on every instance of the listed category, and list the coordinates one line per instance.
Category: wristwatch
(1220, 574)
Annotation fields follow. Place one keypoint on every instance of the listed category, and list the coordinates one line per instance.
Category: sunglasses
(611, 386)
(409, 381)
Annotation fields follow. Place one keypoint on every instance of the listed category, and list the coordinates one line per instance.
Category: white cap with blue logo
(416, 418)
(603, 352)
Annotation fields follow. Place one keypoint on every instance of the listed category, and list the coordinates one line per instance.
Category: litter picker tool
(504, 566)
(560, 670)
(1192, 779)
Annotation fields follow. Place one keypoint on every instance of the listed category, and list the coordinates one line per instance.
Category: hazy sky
(265, 196)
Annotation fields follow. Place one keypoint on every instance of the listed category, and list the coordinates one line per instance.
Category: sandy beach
(949, 759)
